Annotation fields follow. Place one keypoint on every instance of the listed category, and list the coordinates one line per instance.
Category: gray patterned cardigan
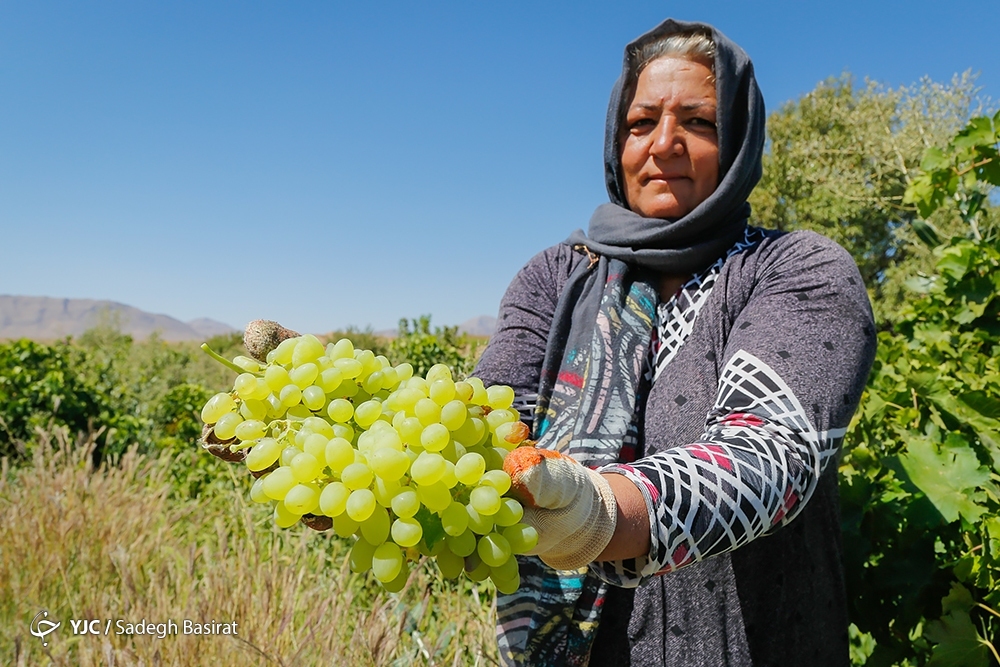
(758, 364)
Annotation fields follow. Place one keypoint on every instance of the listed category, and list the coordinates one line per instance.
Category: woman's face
(669, 144)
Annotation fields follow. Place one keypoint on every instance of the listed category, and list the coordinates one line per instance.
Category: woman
(703, 372)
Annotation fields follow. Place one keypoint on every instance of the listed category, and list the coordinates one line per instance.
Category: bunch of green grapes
(409, 466)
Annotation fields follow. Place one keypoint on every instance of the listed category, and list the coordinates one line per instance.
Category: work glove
(572, 507)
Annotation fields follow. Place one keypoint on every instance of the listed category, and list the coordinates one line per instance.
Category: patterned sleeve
(795, 365)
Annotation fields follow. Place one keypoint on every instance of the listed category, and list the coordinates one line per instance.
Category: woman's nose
(667, 141)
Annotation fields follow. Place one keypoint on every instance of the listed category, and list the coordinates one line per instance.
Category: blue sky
(345, 163)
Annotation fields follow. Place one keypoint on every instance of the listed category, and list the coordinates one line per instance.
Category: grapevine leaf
(955, 261)
(927, 233)
(978, 132)
(986, 405)
(431, 525)
(934, 158)
(948, 478)
(957, 644)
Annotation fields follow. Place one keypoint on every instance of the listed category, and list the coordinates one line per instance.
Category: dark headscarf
(590, 387)
(691, 243)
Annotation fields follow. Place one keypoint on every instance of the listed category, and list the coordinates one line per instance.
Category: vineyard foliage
(920, 480)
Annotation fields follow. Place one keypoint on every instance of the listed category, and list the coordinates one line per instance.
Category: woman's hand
(572, 507)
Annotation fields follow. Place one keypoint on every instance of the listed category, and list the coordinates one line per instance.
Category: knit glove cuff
(572, 507)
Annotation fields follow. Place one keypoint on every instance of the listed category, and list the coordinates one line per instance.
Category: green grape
(450, 564)
(303, 375)
(283, 353)
(385, 490)
(387, 561)
(410, 430)
(435, 437)
(389, 464)
(225, 428)
(499, 396)
(251, 429)
(510, 512)
(404, 371)
(485, 500)
(278, 482)
(366, 413)
(274, 408)
(493, 548)
(376, 527)
(385, 437)
(479, 395)
(324, 363)
(216, 407)
(339, 454)
(448, 478)
(427, 469)
(453, 414)
(302, 498)
(283, 517)
(498, 479)
(438, 372)
(462, 545)
(315, 445)
(470, 468)
(252, 409)
(406, 532)
(298, 413)
(442, 391)
(306, 468)
(308, 349)
(342, 349)
(506, 570)
(289, 453)
(360, 504)
(494, 457)
(497, 417)
(454, 519)
(318, 425)
(356, 476)
(373, 382)
(245, 385)
(345, 526)
(420, 384)
(427, 411)
(257, 491)
(333, 499)
(276, 378)
(521, 537)
(313, 398)
(399, 583)
(247, 364)
(330, 380)
(262, 455)
(345, 431)
(360, 559)
(479, 523)
(407, 398)
(340, 410)
(476, 568)
(507, 586)
(290, 396)
(349, 368)
(463, 391)
(406, 503)
(435, 496)
(390, 378)
(367, 360)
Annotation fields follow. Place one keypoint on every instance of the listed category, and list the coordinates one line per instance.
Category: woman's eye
(703, 122)
(641, 123)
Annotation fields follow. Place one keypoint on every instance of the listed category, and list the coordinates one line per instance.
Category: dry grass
(114, 543)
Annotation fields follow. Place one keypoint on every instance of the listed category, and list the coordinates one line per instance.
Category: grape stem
(222, 360)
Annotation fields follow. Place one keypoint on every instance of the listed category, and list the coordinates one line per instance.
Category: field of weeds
(117, 543)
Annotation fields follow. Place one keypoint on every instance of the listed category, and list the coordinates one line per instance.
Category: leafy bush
(920, 492)
(423, 348)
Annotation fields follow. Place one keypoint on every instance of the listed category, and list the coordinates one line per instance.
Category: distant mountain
(484, 325)
(47, 318)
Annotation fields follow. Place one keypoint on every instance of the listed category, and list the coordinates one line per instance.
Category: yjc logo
(40, 627)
